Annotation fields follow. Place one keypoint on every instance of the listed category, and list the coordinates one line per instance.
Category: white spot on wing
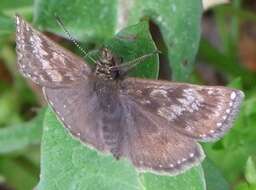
(17, 20)
(190, 102)
(219, 124)
(210, 92)
(233, 95)
(184, 159)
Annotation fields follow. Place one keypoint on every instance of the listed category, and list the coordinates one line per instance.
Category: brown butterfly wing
(78, 109)
(201, 112)
(45, 62)
(152, 146)
(155, 124)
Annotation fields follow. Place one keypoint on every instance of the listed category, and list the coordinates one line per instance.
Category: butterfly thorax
(106, 66)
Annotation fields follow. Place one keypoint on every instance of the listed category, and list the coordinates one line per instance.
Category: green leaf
(236, 83)
(68, 164)
(20, 136)
(179, 22)
(17, 175)
(250, 170)
(132, 43)
(180, 25)
(7, 26)
(213, 177)
(88, 20)
(10, 8)
(8, 108)
(11, 5)
(242, 186)
(239, 143)
(193, 179)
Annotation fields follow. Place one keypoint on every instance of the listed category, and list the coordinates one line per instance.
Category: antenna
(61, 24)
(131, 64)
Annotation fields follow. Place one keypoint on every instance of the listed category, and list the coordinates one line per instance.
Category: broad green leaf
(88, 20)
(7, 27)
(132, 43)
(180, 25)
(193, 179)
(213, 177)
(20, 136)
(179, 22)
(10, 5)
(10, 8)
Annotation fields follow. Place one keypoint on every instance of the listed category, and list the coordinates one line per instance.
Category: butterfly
(155, 124)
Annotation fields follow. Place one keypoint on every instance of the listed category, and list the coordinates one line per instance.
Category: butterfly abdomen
(112, 110)
(112, 132)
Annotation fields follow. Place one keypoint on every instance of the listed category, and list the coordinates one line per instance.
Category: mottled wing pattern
(201, 112)
(155, 124)
(45, 62)
(78, 109)
(151, 146)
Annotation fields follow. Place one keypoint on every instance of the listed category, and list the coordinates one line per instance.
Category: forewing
(201, 112)
(153, 147)
(43, 61)
(77, 108)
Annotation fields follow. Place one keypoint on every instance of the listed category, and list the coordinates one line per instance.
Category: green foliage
(17, 173)
(213, 177)
(239, 143)
(65, 162)
(20, 136)
(129, 49)
(250, 170)
(179, 22)
(231, 154)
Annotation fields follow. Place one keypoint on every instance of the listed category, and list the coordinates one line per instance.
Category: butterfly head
(111, 67)
(106, 55)
(106, 65)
